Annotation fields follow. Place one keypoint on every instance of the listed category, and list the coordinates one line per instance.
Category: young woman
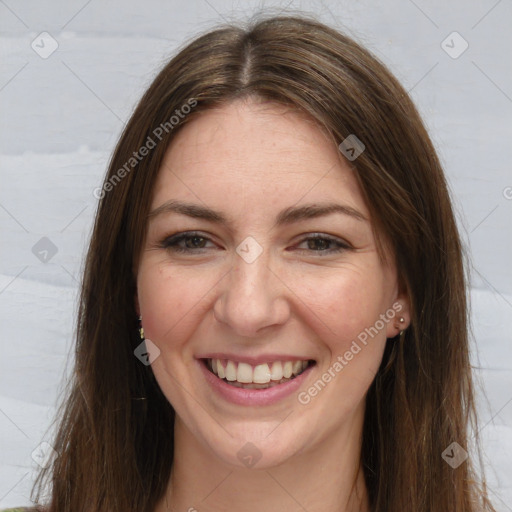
(273, 310)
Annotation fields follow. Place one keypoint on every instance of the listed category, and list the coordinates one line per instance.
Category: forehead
(252, 154)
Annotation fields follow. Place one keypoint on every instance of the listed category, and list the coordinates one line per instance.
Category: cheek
(345, 305)
(342, 313)
(168, 302)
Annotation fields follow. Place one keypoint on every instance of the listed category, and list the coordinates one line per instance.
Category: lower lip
(241, 396)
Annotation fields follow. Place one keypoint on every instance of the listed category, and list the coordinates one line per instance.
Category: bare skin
(317, 284)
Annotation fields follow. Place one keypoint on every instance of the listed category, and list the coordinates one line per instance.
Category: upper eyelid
(307, 236)
(340, 242)
(178, 237)
(184, 235)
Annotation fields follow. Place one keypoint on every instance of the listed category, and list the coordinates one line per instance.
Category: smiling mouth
(262, 376)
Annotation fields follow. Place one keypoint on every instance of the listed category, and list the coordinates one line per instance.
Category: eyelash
(171, 243)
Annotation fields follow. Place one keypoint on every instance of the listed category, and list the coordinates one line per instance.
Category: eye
(185, 242)
(196, 242)
(323, 244)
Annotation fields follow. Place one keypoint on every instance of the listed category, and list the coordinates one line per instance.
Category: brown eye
(186, 242)
(319, 244)
(195, 242)
(323, 244)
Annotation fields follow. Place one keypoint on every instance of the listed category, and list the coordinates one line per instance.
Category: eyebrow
(286, 216)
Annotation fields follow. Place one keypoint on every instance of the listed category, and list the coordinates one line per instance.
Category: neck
(326, 478)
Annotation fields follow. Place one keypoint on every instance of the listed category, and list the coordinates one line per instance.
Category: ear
(399, 314)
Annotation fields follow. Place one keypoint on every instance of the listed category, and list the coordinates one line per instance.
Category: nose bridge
(250, 299)
(250, 278)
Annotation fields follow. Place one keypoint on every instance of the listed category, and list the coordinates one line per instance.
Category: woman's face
(260, 257)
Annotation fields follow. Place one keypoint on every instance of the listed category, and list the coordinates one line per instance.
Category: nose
(252, 298)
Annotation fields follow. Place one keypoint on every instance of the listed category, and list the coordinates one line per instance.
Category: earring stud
(401, 320)
(141, 329)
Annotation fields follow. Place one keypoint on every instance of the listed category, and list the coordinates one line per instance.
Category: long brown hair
(115, 436)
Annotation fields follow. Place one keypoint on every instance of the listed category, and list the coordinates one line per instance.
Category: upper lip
(253, 360)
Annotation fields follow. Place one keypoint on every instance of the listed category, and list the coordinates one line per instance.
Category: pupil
(318, 244)
(196, 241)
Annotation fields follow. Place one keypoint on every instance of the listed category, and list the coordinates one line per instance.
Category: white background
(61, 116)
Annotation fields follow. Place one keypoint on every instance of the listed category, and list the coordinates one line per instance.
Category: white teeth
(266, 373)
(220, 370)
(244, 373)
(276, 372)
(261, 374)
(230, 371)
(297, 367)
(287, 369)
